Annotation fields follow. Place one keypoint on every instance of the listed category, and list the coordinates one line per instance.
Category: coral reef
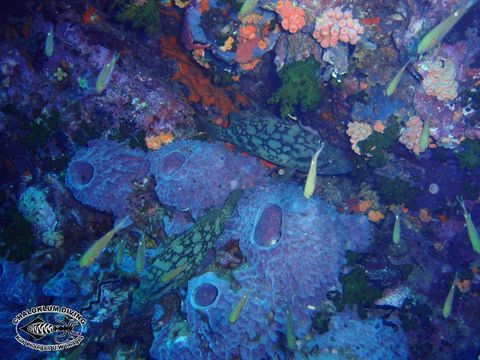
(101, 176)
(410, 134)
(293, 17)
(336, 25)
(351, 338)
(357, 132)
(440, 79)
(35, 208)
(178, 166)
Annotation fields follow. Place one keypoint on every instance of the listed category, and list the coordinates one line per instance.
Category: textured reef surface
(228, 179)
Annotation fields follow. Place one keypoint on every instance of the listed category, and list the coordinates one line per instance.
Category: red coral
(200, 88)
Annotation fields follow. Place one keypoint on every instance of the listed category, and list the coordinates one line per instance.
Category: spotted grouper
(181, 259)
(281, 142)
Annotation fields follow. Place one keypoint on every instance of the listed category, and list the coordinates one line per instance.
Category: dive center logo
(49, 328)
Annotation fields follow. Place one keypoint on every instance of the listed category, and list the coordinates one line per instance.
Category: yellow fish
(235, 314)
(471, 229)
(424, 136)
(104, 77)
(291, 339)
(396, 228)
(49, 43)
(312, 175)
(447, 307)
(92, 253)
(140, 260)
(393, 84)
(435, 36)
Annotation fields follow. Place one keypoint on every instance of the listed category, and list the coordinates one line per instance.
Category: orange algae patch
(203, 6)
(90, 16)
(200, 88)
(375, 216)
(378, 127)
(250, 65)
(229, 146)
(155, 142)
(374, 21)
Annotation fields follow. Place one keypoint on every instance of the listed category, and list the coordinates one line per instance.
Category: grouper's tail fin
(215, 131)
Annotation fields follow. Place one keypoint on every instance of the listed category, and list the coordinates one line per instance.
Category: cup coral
(410, 135)
(293, 17)
(335, 25)
(358, 132)
(440, 80)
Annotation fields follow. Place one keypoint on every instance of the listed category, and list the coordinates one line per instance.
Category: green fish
(447, 306)
(393, 84)
(247, 8)
(235, 314)
(396, 228)
(105, 75)
(312, 175)
(94, 251)
(49, 43)
(281, 142)
(424, 136)
(291, 339)
(186, 252)
(140, 260)
(436, 35)
(471, 229)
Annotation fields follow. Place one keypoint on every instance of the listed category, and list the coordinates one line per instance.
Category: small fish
(447, 307)
(396, 228)
(392, 86)
(49, 42)
(235, 314)
(291, 339)
(471, 229)
(424, 136)
(172, 274)
(105, 75)
(312, 175)
(140, 261)
(92, 253)
(247, 7)
(435, 36)
(120, 250)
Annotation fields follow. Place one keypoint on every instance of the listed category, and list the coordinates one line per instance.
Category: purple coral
(196, 175)
(101, 175)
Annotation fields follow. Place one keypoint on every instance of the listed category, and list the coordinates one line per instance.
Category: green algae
(299, 89)
(396, 191)
(376, 145)
(357, 292)
(145, 16)
(469, 154)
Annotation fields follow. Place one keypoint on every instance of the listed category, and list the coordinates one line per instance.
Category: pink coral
(410, 135)
(293, 17)
(335, 25)
(440, 79)
(358, 132)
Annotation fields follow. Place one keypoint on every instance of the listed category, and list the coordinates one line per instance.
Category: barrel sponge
(296, 247)
(101, 175)
(195, 175)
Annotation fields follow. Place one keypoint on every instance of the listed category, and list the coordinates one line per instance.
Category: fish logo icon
(38, 326)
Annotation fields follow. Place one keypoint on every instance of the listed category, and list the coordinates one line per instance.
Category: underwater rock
(101, 175)
(16, 287)
(195, 175)
(281, 142)
(348, 337)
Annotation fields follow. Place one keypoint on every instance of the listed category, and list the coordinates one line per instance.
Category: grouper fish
(280, 141)
(181, 259)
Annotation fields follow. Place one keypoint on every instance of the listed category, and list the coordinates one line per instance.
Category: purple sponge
(101, 175)
(195, 175)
